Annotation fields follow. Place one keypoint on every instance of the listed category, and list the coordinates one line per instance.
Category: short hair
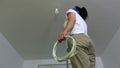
(82, 12)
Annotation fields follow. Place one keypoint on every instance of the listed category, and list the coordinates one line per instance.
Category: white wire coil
(68, 55)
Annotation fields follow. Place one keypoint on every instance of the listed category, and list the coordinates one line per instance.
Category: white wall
(9, 58)
(111, 56)
(35, 63)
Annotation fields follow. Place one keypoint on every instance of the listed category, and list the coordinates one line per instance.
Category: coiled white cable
(67, 56)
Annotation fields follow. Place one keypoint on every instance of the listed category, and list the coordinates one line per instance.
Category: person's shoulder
(70, 10)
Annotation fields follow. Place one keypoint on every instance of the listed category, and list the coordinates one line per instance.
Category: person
(77, 28)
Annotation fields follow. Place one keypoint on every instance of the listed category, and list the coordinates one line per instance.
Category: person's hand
(61, 36)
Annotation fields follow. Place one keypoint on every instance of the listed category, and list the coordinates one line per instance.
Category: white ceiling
(32, 27)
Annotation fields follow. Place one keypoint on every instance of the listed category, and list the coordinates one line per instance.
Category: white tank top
(80, 25)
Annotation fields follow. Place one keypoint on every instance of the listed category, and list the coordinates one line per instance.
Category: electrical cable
(68, 55)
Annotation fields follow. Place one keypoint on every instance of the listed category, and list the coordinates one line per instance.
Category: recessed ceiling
(31, 26)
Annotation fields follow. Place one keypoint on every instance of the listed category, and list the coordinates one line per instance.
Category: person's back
(80, 25)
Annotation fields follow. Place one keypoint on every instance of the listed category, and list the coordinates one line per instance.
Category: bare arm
(68, 27)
